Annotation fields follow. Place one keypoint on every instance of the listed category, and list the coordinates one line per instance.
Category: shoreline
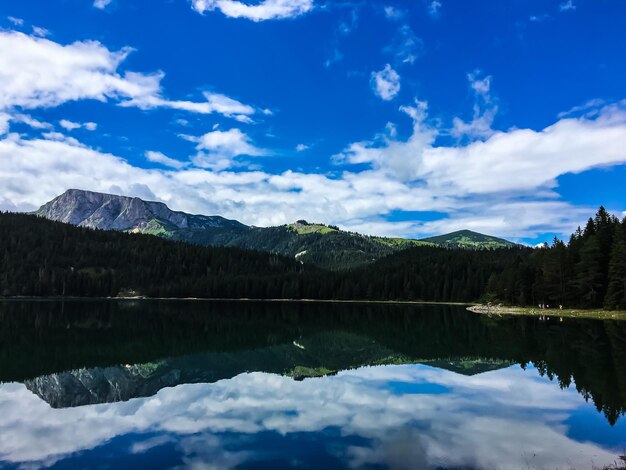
(594, 314)
(481, 309)
(221, 299)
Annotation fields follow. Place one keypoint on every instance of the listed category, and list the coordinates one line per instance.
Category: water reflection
(167, 384)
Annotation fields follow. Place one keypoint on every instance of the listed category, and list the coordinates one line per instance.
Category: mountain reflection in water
(168, 383)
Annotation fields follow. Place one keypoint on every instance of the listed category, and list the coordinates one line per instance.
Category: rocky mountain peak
(113, 212)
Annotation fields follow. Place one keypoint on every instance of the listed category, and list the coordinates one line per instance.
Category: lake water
(161, 384)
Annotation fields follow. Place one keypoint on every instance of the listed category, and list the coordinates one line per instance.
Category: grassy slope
(469, 239)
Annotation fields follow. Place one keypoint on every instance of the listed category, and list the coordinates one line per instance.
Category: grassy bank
(498, 310)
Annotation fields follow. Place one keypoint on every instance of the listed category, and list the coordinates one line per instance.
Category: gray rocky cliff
(112, 212)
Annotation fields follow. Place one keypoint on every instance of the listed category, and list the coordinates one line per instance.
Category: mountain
(322, 245)
(112, 212)
(469, 239)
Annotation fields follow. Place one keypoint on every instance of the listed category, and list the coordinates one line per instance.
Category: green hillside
(469, 239)
(322, 245)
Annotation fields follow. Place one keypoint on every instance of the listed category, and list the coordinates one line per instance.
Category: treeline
(588, 271)
(39, 257)
(43, 258)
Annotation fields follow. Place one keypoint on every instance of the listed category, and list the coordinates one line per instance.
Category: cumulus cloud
(101, 4)
(204, 419)
(217, 149)
(502, 185)
(38, 73)
(517, 160)
(386, 83)
(36, 170)
(567, 6)
(71, 125)
(265, 10)
(489, 177)
(158, 157)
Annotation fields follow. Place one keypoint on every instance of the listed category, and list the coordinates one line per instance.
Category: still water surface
(162, 384)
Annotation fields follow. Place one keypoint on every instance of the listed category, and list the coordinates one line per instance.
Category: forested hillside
(40, 257)
(316, 244)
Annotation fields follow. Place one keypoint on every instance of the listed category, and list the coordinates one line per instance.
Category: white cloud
(36, 170)
(406, 46)
(30, 121)
(482, 86)
(386, 83)
(517, 219)
(434, 7)
(4, 123)
(503, 185)
(41, 32)
(218, 149)
(567, 6)
(16, 21)
(489, 178)
(12, 116)
(484, 110)
(38, 72)
(158, 157)
(539, 18)
(517, 160)
(101, 4)
(264, 10)
(71, 125)
(394, 13)
(588, 109)
(302, 147)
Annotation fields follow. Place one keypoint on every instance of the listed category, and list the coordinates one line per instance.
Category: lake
(162, 384)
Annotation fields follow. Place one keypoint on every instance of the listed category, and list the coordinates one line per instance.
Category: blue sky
(389, 117)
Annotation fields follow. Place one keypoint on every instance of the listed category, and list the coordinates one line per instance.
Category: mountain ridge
(319, 244)
(113, 212)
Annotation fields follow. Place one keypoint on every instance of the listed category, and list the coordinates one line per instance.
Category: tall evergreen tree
(589, 275)
(616, 291)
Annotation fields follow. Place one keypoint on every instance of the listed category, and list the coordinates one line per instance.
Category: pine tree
(589, 274)
(616, 291)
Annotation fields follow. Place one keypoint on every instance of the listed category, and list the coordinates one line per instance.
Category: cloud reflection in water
(509, 418)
